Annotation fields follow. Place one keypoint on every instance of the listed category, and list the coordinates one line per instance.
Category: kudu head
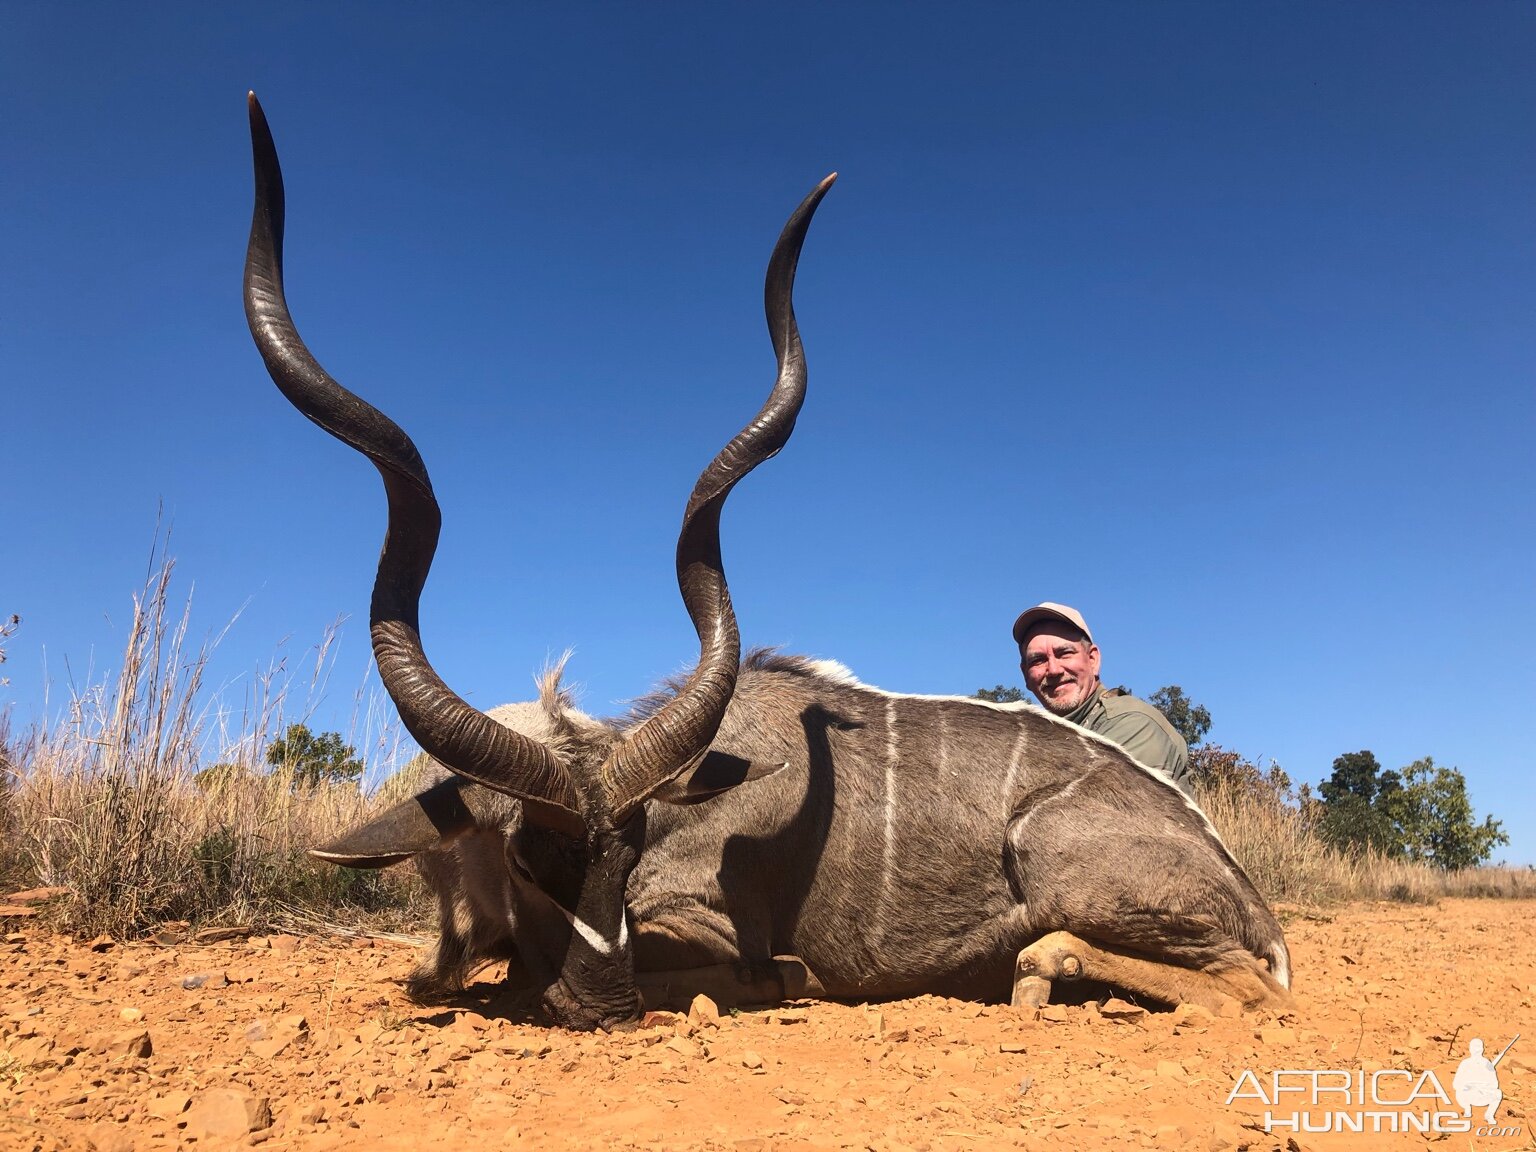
(587, 795)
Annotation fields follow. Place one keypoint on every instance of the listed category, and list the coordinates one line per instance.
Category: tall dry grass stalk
(109, 804)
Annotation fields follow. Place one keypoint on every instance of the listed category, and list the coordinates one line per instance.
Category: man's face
(1060, 666)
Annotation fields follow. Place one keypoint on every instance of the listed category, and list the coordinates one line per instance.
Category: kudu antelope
(775, 806)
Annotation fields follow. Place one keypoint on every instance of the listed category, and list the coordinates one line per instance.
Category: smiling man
(1060, 662)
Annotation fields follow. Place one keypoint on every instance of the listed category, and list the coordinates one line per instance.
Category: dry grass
(106, 804)
(1274, 839)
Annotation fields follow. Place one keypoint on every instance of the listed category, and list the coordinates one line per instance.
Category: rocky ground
(310, 1044)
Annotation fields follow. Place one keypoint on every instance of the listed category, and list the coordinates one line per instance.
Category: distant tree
(1192, 721)
(1000, 695)
(322, 759)
(1357, 774)
(1355, 811)
(1422, 813)
(1433, 817)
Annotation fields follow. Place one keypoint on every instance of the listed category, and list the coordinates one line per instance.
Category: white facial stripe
(591, 934)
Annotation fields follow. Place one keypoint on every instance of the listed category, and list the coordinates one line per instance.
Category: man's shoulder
(1127, 714)
(1120, 702)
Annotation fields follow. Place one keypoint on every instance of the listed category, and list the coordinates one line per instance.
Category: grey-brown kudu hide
(774, 806)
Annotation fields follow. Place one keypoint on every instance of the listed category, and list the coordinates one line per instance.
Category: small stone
(169, 1106)
(876, 1020)
(789, 1016)
(1012, 1049)
(102, 943)
(1116, 1009)
(284, 944)
(684, 1047)
(216, 935)
(36, 895)
(1056, 1013)
(227, 1112)
(309, 1112)
(109, 1137)
(131, 1015)
(752, 1060)
(1225, 1136)
(469, 1024)
(170, 933)
(270, 1047)
(1192, 1017)
(203, 980)
(659, 1020)
(703, 1012)
(130, 1042)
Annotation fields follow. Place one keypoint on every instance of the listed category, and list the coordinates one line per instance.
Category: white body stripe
(888, 860)
(839, 674)
(1013, 765)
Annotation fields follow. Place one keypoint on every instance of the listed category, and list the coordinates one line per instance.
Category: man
(1060, 662)
(1476, 1083)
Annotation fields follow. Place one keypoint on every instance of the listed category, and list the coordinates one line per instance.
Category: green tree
(1192, 721)
(1434, 821)
(1356, 812)
(312, 759)
(1000, 695)
(1357, 774)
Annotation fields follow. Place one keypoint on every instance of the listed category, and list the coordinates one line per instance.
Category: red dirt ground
(1377, 986)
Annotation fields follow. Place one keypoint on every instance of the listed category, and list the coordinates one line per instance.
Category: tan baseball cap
(1049, 611)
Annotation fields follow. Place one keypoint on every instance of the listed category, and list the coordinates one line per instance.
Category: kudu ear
(717, 772)
(426, 820)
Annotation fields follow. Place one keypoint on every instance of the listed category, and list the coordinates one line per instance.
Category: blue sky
(1213, 320)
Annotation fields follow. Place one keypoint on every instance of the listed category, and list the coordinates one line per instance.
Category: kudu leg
(1063, 956)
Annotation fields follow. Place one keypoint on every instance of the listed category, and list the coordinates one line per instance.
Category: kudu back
(766, 807)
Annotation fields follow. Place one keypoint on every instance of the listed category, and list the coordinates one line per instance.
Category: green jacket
(1140, 729)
